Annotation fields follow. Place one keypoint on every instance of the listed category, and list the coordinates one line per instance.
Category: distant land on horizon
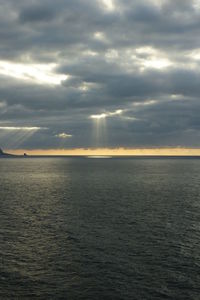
(2, 153)
(5, 154)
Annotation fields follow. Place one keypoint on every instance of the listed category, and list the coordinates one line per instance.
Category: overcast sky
(99, 73)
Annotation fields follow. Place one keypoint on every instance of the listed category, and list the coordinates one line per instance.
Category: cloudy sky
(99, 73)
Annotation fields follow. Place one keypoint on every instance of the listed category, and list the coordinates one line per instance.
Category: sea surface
(78, 228)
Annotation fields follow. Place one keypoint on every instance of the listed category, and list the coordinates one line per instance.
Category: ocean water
(73, 228)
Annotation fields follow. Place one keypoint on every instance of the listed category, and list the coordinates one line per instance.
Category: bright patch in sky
(90, 53)
(157, 2)
(107, 114)
(112, 54)
(146, 50)
(11, 128)
(101, 116)
(156, 63)
(149, 57)
(99, 36)
(38, 73)
(196, 4)
(63, 135)
(85, 86)
(108, 4)
(145, 103)
(195, 54)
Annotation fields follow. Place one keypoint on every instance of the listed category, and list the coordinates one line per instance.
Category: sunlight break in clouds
(99, 36)
(100, 128)
(11, 128)
(107, 114)
(156, 63)
(63, 135)
(196, 4)
(157, 3)
(195, 54)
(154, 58)
(108, 4)
(39, 73)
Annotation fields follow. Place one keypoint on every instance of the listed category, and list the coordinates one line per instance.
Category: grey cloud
(36, 13)
(104, 72)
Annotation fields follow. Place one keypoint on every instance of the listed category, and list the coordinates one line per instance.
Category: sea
(100, 228)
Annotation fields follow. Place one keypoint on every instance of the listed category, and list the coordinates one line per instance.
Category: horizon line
(153, 151)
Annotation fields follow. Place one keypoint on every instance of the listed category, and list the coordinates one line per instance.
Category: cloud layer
(63, 62)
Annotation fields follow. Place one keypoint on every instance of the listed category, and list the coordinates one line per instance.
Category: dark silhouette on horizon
(4, 154)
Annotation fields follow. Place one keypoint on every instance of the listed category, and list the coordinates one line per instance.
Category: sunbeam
(99, 132)
(11, 136)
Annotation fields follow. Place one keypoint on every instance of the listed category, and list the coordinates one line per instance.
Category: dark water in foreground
(99, 228)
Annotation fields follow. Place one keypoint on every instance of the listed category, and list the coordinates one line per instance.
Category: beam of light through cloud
(99, 134)
(100, 127)
(107, 114)
(63, 135)
(14, 136)
(21, 136)
(38, 73)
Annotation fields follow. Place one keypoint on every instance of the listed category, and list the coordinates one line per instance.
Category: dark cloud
(138, 56)
(36, 13)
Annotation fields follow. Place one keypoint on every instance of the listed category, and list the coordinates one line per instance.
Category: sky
(99, 74)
